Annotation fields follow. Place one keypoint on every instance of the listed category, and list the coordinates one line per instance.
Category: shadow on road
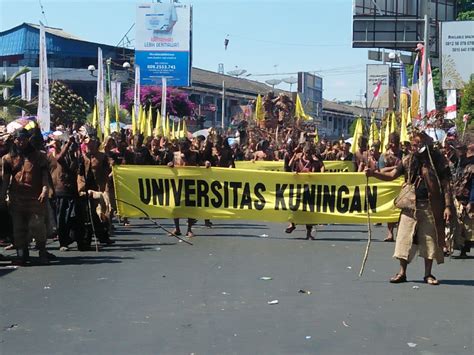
(458, 282)
(225, 235)
(135, 247)
(89, 260)
(344, 239)
(323, 230)
(4, 271)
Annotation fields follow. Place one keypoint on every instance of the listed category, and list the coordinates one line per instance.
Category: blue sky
(266, 36)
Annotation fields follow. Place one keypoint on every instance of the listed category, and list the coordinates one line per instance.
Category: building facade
(310, 89)
(69, 58)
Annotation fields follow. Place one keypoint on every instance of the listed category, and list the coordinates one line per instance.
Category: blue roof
(24, 39)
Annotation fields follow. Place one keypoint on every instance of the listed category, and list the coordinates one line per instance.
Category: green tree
(465, 10)
(467, 105)
(66, 106)
(14, 104)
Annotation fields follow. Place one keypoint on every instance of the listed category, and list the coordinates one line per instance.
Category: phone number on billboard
(161, 66)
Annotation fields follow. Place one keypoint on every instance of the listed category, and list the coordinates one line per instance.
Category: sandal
(398, 279)
(190, 235)
(431, 280)
(176, 232)
(389, 239)
(290, 229)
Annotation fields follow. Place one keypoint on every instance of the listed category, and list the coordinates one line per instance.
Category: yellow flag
(316, 136)
(143, 122)
(373, 132)
(403, 129)
(149, 124)
(107, 123)
(387, 133)
(259, 109)
(178, 130)
(173, 133)
(185, 129)
(358, 132)
(117, 118)
(414, 101)
(139, 119)
(99, 133)
(299, 110)
(94, 117)
(134, 121)
(393, 127)
(167, 127)
(158, 128)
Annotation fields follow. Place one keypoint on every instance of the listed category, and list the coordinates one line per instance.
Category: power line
(332, 71)
(279, 43)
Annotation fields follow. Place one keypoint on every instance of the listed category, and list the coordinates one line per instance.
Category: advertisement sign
(163, 43)
(377, 86)
(457, 50)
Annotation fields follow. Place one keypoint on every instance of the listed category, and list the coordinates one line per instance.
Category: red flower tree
(177, 101)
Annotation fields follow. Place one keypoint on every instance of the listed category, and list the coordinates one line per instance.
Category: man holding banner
(305, 162)
(422, 222)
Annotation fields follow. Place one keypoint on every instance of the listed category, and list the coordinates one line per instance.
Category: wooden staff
(369, 238)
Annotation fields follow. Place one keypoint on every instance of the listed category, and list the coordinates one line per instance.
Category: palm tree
(14, 103)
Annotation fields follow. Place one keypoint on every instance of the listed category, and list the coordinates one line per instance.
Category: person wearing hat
(26, 181)
(421, 229)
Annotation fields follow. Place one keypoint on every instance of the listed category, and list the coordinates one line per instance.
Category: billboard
(163, 43)
(310, 87)
(457, 53)
(399, 24)
(378, 73)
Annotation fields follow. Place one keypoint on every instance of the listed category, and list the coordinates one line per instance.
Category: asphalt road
(149, 294)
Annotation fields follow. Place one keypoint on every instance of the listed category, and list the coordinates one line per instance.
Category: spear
(369, 238)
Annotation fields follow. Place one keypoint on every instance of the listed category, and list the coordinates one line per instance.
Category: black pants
(100, 228)
(70, 220)
(6, 230)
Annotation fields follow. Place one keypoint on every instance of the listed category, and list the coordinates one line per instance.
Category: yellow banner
(329, 165)
(220, 193)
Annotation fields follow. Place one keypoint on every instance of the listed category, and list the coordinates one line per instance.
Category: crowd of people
(61, 186)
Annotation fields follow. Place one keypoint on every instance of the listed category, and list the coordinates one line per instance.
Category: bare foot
(175, 232)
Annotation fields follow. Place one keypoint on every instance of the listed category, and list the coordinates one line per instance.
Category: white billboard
(457, 53)
(163, 43)
(377, 74)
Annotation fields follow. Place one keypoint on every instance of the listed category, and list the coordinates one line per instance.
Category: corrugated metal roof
(343, 108)
(68, 74)
(56, 31)
(24, 39)
(207, 77)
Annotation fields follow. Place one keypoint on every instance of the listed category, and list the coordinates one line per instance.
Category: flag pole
(164, 84)
(426, 51)
(223, 104)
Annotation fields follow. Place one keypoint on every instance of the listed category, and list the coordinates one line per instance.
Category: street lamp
(126, 65)
(91, 69)
(392, 56)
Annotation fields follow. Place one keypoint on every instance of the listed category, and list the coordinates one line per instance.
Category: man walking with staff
(425, 201)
